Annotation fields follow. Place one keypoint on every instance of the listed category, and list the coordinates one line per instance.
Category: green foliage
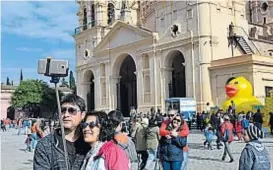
(21, 75)
(72, 83)
(64, 83)
(35, 92)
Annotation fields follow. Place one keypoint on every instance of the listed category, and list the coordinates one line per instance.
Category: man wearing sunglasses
(49, 153)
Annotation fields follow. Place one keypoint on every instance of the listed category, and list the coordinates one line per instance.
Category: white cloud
(47, 20)
(28, 49)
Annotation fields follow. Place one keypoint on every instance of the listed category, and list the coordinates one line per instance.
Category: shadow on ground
(23, 150)
(197, 146)
(28, 162)
(204, 159)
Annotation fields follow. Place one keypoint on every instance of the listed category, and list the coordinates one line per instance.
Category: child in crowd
(254, 156)
(205, 130)
(239, 129)
(28, 142)
(209, 136)
(245, 122)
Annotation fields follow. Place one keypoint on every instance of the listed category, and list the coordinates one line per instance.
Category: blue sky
(34, 30)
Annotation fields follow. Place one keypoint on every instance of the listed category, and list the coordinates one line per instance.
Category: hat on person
(254, 133)
(226, 117)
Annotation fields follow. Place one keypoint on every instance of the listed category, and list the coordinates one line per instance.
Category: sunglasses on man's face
(90, 124)
(171, 115)
(71, 110)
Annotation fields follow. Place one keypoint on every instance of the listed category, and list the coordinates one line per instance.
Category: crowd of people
(34, 129)
(99, 141)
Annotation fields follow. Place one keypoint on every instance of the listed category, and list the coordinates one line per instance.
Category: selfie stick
(55, 80)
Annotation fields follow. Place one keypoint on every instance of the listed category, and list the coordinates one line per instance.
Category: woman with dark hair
(99, 133)
(172, 144)
(121, 137)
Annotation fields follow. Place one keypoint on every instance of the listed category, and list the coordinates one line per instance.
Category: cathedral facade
(135, 54)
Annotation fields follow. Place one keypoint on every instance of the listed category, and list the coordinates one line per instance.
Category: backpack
(245, 123)
(226, 135)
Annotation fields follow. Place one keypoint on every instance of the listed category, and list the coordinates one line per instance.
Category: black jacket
(271, 120)
(257, 118)
(49, 155)
(172, 149)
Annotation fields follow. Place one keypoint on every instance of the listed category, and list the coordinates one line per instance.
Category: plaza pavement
(14, 157)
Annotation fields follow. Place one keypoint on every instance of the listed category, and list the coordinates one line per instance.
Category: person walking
(219, 121)
(49, 152)
(35, 134)
(233, 107)
(239, 128)
(198, 121)
(245, 123)
(139, 135)
(152, 142)
(3, 127)
(271, 122)
(209, 137)
(258, 119)
(254, 155)
(227, 136)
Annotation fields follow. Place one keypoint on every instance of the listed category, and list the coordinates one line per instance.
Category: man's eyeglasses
(71, 110)
(90, 124)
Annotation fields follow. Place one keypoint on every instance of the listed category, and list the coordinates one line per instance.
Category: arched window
(92, 15)
(111, 13)
(84, 19)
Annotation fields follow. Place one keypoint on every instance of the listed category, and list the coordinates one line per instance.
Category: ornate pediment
(122, 34)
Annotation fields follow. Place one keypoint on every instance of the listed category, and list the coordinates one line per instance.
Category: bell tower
(260, 12)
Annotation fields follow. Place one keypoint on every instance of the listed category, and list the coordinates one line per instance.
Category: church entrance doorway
(90, 89)
(127, 86)
(177, 85)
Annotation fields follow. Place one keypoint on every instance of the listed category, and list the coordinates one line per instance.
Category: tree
(72, 83)
(7, 82)
(21, 75)
(34, 96)
(64, 83)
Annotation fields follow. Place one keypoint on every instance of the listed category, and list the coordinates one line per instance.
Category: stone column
(166, 77)
(84, 90)
(205, 55)
(113, 96)
(188, 80)
(100, 13)
(139, 88)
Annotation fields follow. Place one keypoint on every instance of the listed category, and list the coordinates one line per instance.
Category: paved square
(14, 157)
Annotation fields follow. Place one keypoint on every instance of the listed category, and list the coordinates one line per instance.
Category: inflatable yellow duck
(239, 90)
